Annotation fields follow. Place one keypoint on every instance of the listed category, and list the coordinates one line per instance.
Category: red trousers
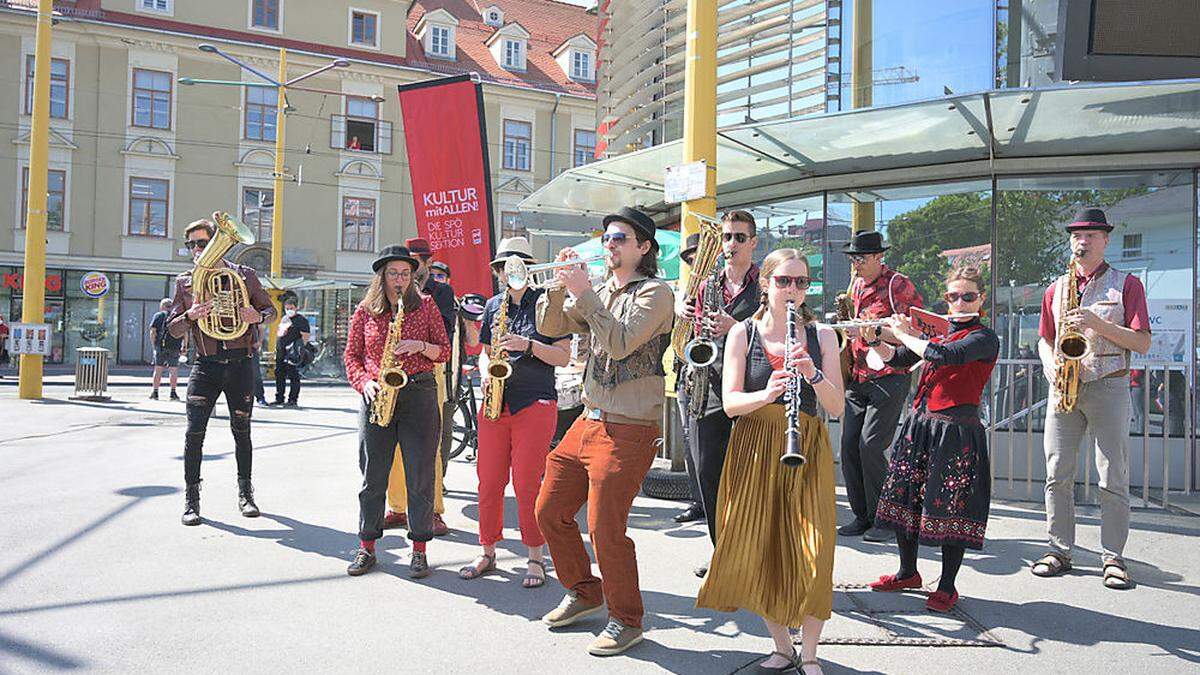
(515, 444)
(601, 464)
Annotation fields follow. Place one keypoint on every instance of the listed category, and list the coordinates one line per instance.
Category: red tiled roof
(550, 23)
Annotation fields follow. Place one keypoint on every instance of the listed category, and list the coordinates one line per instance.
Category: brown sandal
(1116, 576)
(1051, 565)
(533, 580)
(813, 662)
(474, 571)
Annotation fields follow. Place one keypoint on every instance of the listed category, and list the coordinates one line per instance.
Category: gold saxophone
(211, 280)
(1071, 346)
(707, 251)
(392, 377)
(499, 368)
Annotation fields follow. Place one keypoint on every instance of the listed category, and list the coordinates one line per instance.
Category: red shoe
(888, 583)
(439, 526)
(941, 601)
(393, 519)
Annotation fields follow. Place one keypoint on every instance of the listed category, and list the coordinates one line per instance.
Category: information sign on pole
(685, 182)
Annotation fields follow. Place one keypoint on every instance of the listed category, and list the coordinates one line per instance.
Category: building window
(264, 14)
(258, 212)
(439, 41)
(581, 66)
(1131, 246)
(56, 198)
(584, 147)
(148, 206)
(358, 224)
(514, 55)
(260, 113)
(161, 6)
(60, 84)
(362, 120)
(518, 138)
(494, 17)
(364, 28)
(151, 99)
(510, 224)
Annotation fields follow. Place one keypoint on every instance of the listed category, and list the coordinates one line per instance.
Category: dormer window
(493, 16)
(439, 41)
(577, 58)
(581, 66)
(514, 54)
(436, 31)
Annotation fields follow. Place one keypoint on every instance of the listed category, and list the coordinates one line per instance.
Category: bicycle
(464, 432)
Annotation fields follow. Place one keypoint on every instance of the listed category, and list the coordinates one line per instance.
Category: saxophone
(1072, 346)
(701, 352)
(392, 377)
(499, 369)
(707, 252)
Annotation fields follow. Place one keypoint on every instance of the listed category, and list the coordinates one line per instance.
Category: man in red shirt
(874, 398)
(1111, 314)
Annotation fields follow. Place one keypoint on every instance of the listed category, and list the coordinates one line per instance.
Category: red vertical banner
(446, 138)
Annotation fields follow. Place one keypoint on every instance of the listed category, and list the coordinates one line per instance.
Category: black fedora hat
(635, 219)
(688, 252)
(394, 252)
(865, 243)
(1089, 218)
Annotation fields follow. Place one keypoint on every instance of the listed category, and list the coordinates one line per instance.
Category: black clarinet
(793, 456)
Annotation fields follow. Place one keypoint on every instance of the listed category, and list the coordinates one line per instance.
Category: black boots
(191, 505)
(246, 498)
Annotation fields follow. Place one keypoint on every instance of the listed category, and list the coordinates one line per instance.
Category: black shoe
(191, 505)
(418, 568)
(363, 561)
(290, 404)
(246, 499)
(263, 401)
(854, 528)
(691, 513)
(154, 395)
(174, 396)
(878, 534)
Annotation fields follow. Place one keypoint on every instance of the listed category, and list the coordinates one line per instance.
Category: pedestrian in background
(166, 350)
(293, 334)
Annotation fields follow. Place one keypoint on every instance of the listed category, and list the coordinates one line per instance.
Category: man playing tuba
(222, 366)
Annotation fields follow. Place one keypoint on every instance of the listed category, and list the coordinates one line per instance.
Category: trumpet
(518, 275)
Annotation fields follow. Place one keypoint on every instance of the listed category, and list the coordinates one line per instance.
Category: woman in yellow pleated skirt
(775, 523)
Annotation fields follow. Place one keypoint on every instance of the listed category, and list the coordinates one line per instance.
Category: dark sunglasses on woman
(783, 281)
(969, 296)
(741, 237)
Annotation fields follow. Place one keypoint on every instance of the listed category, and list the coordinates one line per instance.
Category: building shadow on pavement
(325, 541)
(14, 649)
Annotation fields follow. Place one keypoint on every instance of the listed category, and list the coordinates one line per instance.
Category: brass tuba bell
(211, 280)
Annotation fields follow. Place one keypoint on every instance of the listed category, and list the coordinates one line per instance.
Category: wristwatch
(528, 347)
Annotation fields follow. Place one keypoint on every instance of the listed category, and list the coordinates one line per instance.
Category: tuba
(499, 368)
(1071, 345)
(211, 280)
(707, 251)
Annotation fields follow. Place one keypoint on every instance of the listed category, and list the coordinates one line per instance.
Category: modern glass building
(955, 136)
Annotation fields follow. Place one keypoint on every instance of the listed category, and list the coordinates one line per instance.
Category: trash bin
(91, 374)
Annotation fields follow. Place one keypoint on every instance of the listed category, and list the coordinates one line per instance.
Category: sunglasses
(858, 259)
(741, 237)
(617, 237)
(193, 244)
(782, 281)
(439, 276)
(969, 296)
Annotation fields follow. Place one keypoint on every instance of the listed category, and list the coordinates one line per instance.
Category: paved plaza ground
(97, 574)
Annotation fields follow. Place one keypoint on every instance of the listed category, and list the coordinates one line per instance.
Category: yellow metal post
(861, 92)
(33, 308)
(700, 113)
(277, 210)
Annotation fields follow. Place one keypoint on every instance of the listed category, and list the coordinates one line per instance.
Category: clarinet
(793, 456)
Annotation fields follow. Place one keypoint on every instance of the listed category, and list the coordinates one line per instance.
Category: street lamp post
(281, 85)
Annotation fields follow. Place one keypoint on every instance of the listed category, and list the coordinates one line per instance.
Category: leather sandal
(1116, 576)
(475, 571)
(533, 580)
(1051, 565)
(813, 662)
(790, 665)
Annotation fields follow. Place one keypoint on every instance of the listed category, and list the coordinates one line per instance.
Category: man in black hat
(1111, 314)
(603, 458)
(874, 398)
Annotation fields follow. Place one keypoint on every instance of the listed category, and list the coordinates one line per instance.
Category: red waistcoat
(942, 387)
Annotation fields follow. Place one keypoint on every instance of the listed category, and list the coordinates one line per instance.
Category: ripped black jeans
(209, 379)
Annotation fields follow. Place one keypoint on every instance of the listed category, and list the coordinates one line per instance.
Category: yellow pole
(33, 308)
(861, 92)
(277, 209)
(700, 113)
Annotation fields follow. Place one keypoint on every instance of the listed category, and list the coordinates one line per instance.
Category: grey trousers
(1102, 411)
(868, 426)
(412, 429)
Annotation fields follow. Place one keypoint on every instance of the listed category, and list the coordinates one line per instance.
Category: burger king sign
(94, 284)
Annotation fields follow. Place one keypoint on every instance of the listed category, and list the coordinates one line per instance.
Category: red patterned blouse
(364, 343)
(890, 293)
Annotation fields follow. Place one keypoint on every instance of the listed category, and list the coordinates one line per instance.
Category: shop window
(148, 207)
(358, 224)
(518, 141)
(151, 99)
(60, 84)
(56, 198)
(260, 113)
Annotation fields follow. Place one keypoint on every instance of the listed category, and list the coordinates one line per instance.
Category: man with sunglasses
(604, 456)
(222, 366)
(874, 398)
(708, 436)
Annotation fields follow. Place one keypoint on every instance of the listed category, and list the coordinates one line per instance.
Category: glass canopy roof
(971, 135)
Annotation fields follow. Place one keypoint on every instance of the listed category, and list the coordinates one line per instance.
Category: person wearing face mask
(775, 523)
(293, 336)
(938, 488)
(1111, 314)
(222, 367)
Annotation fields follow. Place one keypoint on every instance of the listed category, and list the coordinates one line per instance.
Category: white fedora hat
(510, 246)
